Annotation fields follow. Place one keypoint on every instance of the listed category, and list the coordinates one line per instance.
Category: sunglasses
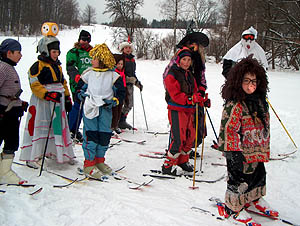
(248, 37)
(86, 39)
(247, 81)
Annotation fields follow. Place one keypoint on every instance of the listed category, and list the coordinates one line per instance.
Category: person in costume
(77, 60)
(103, 90)
(11, 108)
(126, 49)
(245, 47)
(245, 139)
(181, 96)
(49, 93)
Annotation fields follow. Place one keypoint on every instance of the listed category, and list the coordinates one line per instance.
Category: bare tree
(202, 12)
(89, 14)
(173, 10)
(124, 14)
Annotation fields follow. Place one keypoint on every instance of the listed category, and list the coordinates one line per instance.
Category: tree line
(277, 22)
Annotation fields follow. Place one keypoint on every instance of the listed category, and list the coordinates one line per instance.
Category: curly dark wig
(232, 89)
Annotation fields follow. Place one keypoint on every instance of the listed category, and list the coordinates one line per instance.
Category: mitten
(68, 103)
(24, 106)
(82, 95)
(115, 101)
(206, 101)
(139, 85)
(77, 78)
(131, 80)
(197, 98)
(201, 90)
(53, 96)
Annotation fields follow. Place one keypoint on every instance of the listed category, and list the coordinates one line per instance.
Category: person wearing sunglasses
(78, 60)
(245, 47)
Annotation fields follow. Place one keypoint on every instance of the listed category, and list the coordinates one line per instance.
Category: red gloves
(24, 106)
(77, 78)
(53, 96)
(197, 98)
(68, 104)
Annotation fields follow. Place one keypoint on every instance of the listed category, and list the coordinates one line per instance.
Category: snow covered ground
(164, 202)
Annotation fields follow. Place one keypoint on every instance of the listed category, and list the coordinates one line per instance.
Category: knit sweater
(239, 132)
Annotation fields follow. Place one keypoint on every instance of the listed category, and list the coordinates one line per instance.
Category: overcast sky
(149, 11)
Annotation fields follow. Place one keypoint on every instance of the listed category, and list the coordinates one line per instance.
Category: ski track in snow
(164, 201)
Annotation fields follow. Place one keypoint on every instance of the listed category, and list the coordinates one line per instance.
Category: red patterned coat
(239, 132)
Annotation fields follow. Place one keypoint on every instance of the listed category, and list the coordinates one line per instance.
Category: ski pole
(50, 125)
(77, 122)
(281, 122)
(196, 144)
(203, 140)
(144, 110)
(211, 124)
(133, 109)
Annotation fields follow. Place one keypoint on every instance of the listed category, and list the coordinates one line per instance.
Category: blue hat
(10, 44)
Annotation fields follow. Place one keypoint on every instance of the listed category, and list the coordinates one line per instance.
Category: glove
(68, 104)
(24, 106)
(82, 95)
(197, 98)
(139, 85)
(201, 90)
(131, 80)
(53, 96)
(206, 101)
(77, 78)
(115, 101)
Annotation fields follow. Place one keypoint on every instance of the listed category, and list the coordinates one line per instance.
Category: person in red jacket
(181, 96)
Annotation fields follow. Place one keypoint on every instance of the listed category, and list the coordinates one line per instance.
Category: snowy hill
(164, 202)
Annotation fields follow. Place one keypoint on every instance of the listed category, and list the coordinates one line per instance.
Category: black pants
(9, 131)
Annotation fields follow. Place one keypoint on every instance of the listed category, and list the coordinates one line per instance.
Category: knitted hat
(10, 44)
(85, 36)
(184, 53)
(124, 44)
(102, 53)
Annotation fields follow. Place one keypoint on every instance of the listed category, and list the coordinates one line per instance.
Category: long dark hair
(232, 89)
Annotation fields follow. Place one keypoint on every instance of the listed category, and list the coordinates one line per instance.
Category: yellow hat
(102, 53)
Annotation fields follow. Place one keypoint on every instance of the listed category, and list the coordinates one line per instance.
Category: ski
(134, 185)
(207, 212)
(66, 185)
(36, 192)
(157, 133)
(19, 185)
(32, 193)
(158, 176)
(208, 181)
(152, 156)
(129, 141)
(254, 211)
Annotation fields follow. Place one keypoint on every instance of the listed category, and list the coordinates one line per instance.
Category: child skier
(49, 93)
(245, 140)
(116, 111)
(11, 108)
(104, 90)
(181, 97)
(130, 66)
